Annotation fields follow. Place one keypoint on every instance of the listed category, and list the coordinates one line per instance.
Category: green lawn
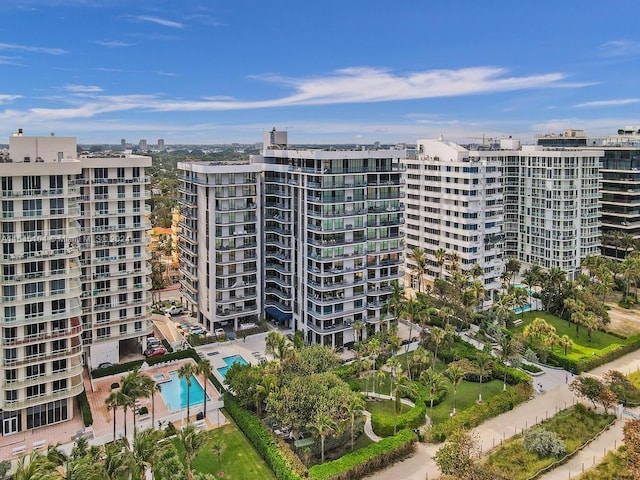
(239, 459)
(385, 407)
(600, 343)
(612, 467)
(467, 396)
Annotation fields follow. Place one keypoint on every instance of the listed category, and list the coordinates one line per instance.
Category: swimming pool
(174, 392)
(230, 361)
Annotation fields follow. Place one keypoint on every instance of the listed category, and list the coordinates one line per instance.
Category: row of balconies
(42, 357)
(8, 300)
(68, 212)
(144, 225)
(23, 382)
(71, 272)
(146, 255)
(40, 192)
(9, 405)
(103, 307)
(63, 333)
(114, 181)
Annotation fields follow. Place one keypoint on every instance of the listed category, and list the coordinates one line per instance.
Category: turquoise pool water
(174, 392)
(230, 361)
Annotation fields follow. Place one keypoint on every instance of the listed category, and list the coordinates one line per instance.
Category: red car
(156, 352)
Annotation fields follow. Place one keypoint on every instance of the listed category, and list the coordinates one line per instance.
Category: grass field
(600, 343)
(385, 407)
(467, 396)
(239, 459)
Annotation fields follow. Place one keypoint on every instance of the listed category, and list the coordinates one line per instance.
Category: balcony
(61, 253)
(68, 332)
(47, 356)
(10, 405)
(329, 329)
(29, 381)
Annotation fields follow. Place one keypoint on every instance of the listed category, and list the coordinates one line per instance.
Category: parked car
(174, 310)
(153, 342)
(219, 332)
(197, 330)
(155, 352)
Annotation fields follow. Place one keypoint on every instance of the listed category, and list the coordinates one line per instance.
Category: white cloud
(114, 43)
(620, 48)
(352, 85)
(8, 98)
(82, 88)
(27, 48)
(608, 103)
(160, 21)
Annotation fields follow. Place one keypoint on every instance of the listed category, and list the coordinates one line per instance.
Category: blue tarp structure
(277, 314)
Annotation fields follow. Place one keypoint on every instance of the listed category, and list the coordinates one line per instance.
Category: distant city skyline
(328, 72)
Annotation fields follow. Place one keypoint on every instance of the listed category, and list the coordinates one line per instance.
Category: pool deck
(216, 352)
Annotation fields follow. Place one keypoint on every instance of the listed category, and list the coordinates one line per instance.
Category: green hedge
(475, 415)
(128, 366)
(586, 364)
(284, 463)
(383, 424)
(367, 460)
(167, 345)
(83, 403)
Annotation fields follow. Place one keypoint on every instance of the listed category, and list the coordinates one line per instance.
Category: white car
(174, 310)
(219, 332)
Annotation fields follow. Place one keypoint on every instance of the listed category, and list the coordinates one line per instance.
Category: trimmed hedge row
(167, 345)
(284, 463)
(367, 460)
(586, 364)
(475, 415)
(128, 366)
(383, 424)
(83, 403)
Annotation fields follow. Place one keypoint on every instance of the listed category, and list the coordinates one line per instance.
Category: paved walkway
(554, 397)
(368, 428)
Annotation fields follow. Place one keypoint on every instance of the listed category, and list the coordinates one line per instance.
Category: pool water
(230, 361)
(174, 392)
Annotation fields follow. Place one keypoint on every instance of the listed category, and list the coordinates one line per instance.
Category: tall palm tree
(507, 351)
(413, 310)
(565, 342)
(446, 312)
(396, 301)
(437, 335)
(143, 452)
(113, 403)
(263, 390)
(435, 384)
(148, 388)
(477, 287)
(132, 388)
(403, 387)
(186, 371)
(322, 425)
(441, 256)
(419, 259)
(512, 267)
(217, 449)
(358, 327)
(455, 372)
(375, 349)
(483, 369)
(205, 370)
(354, 409)
(277, 345)
(419, 358)
(33, 467)
(191, 442)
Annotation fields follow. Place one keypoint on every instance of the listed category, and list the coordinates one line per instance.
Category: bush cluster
(367, 460)
(475, 415)
(543, 442)
(383, 424)
(83, 403)
(284, 463)
(167, 345)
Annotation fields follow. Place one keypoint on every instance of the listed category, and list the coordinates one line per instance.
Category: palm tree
(116, 461)
(413, 309)
(403, 387)
(322, 425)
(446, 312)
(419, 258)
(191, 442)
(435, 384)
(187, 371)
(565, 342)
(277, 345)
(358, 327)
(455, 372)
(395, 301)
(33, 467)
(263, 390)
(133, 386)
(512, 267)
(507, 350)
(441, 255)
(143, 451)
(217, 449)
(354, 408)
(113, 403)
(483, 369)
(419, 358)
(374, 348)
(437, 335)
(477, 287)
(396, 369)
(205, 370)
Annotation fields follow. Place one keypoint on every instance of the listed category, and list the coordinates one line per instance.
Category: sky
(330, 71)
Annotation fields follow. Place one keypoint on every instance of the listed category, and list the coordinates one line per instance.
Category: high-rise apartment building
(161, 144)
(552, 206)
(47, 272)
(326, 225)
(142, 144)
(219, 242)
(455, 205)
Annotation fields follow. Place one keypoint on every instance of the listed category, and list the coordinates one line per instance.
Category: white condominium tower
(220, 230)
(552, 206)
(47, 267)
(455, 205)
(328, 233)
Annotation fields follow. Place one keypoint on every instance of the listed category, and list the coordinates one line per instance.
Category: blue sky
(331, 71)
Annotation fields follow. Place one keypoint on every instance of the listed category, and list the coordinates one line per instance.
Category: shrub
(143, 411)
(167, 345)
(530, 368)
(544, 443)
(83, 403)
(115, 385)
(383, 424)
(367, 460)
(284, 463)
(586, 364)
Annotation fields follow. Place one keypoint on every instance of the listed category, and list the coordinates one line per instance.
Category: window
(9, 314)
(35, 350)
(35, 370)
(36, 390)
(34, 289)
(59, 345)
(56, 206)
(56, 182)
(49, 413)
(11, 395)
(59, 385)
(32, 207)
(31, 182)
(32, 310)
(58, 306)
(123, 329)
(59, 365)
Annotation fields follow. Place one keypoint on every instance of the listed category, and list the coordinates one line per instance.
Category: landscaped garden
(541, 446)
